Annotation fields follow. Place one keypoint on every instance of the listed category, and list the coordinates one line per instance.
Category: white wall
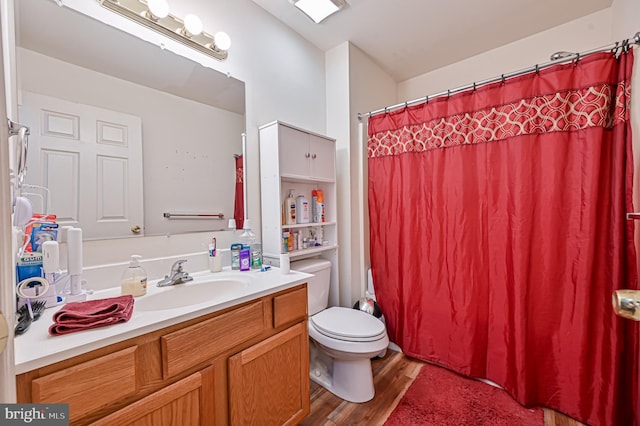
(370, 88)
(579, 35)
(354, 84)
(187, 146)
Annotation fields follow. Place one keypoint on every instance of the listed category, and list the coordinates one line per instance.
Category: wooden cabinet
(191, 373)
(268, 381)
(182, 403)
(301, 161)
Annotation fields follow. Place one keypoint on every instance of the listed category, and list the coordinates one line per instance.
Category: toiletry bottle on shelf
(134, 278)
(315, 214)
(319, 206)
(302, 209)
(290, 209)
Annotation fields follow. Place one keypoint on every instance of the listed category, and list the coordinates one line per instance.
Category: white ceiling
(410, 37)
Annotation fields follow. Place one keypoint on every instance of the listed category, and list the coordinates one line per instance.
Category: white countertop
(36, 348)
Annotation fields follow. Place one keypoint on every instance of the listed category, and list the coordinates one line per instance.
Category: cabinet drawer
(290, 307)
(89, 385)
(198, 343)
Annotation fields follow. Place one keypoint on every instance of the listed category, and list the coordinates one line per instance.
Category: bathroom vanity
(241, 360)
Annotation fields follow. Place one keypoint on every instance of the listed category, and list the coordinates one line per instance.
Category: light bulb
(158, 8)
(192, 25)
(222, 40)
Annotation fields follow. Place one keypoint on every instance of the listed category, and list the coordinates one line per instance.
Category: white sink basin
(191, 293)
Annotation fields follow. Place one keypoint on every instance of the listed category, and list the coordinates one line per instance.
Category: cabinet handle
(314, 156)
(307, 155)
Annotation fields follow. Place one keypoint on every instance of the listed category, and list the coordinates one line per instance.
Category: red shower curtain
(498, 235)
(238, 207)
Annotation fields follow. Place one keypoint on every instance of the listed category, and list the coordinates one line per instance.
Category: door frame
(8, 109)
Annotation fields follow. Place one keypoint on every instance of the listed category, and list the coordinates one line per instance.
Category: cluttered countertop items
(59, 315)
(160, 307)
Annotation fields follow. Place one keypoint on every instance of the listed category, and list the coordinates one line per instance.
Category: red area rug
(439, 397)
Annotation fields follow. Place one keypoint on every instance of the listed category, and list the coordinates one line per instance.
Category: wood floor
(392, 376)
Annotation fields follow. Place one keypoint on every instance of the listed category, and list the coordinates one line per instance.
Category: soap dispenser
(134, 278)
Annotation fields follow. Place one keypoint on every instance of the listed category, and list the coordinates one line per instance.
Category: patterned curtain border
(558, 112)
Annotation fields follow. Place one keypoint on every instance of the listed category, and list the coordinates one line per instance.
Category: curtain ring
(502, 78)
(448, 93)
(426, 99)
(537, 69)
(575, 61)
(406, 104)
(615, 48)
(474, 86)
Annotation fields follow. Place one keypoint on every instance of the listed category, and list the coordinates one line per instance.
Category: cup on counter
(215, 263)
(285, 264)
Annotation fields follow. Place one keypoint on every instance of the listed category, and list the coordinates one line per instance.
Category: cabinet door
(186, 402)
(322, 164)
(294, 152)
(269, 382)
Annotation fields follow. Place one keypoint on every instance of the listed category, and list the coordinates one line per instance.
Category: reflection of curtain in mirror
(238, 207)
(498, 234)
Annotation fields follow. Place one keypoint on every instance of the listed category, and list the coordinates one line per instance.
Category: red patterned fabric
(498, 235)
(238, 208)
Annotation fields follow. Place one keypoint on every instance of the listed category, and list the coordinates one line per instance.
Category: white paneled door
(90, 160)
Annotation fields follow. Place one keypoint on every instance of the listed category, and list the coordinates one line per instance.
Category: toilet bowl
(342, 340)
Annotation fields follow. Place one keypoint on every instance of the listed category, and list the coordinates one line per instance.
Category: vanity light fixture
(155, 14)
(318, 10)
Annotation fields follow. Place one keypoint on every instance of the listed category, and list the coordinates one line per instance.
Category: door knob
(626, 303)
(136, 229)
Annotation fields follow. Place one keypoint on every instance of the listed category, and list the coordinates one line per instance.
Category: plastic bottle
(290, 209)
(134, 278)
(320, 206)
(302, 209)
(315, 214)
(250, 241)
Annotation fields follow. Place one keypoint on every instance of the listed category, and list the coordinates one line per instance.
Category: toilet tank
(317, 286)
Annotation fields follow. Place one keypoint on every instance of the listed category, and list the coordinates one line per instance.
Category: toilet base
(351, 380)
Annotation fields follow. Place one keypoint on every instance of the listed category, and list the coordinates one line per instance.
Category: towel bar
(216, 216)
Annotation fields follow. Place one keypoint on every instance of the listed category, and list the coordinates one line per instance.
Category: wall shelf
(296, 160)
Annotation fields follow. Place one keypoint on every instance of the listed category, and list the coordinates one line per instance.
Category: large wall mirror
(123, 131)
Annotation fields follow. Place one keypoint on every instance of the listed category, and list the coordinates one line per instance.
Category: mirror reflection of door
(89, 160)
(192, 116)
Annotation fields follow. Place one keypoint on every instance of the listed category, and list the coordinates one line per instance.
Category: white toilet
(343, 340)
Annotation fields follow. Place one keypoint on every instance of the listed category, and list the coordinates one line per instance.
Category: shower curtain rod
(556, 58)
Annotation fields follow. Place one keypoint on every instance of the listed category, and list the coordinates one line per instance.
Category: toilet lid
(348, 324)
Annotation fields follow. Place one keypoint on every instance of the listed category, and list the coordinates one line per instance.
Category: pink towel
(78, 316)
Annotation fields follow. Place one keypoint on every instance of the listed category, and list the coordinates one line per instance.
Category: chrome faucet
(178, 275)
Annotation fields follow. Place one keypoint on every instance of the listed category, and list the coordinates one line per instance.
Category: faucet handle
(177, 265)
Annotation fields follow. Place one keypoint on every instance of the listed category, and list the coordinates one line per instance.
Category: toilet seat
(348, 324)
